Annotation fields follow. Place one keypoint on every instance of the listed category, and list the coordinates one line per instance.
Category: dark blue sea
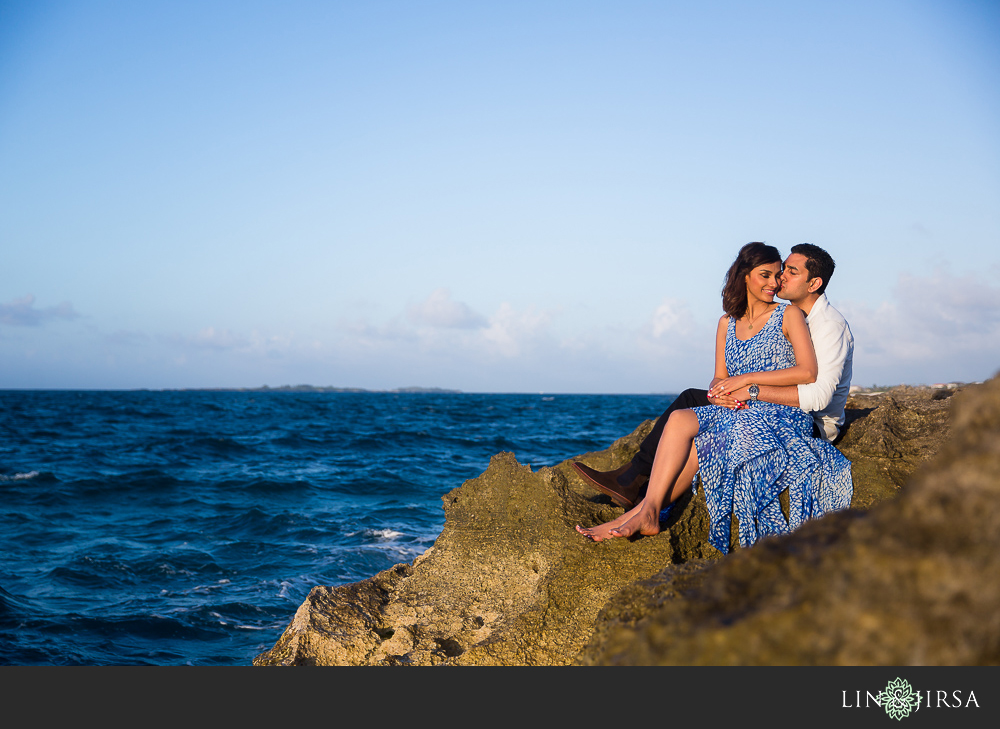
(185, 528)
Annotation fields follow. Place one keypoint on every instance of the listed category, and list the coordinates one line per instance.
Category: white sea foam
(204, 589)
(386, 533)
(20, 476)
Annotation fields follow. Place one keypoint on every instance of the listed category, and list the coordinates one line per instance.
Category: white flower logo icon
(898, 699)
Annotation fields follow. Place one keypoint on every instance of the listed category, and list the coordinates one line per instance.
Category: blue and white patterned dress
(747, 457)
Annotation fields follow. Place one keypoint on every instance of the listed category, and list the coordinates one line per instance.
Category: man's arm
(832, 341)
(778, 394)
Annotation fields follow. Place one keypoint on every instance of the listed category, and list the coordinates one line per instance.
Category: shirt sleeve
(832, 340)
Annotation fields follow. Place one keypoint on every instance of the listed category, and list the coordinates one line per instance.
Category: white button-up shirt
(827, 396)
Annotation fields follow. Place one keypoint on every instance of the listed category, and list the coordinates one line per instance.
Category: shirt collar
(818, 307)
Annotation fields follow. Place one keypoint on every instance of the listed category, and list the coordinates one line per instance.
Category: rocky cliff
(908, 575)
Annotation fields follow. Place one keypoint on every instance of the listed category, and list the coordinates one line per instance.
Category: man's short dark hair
(818, 263)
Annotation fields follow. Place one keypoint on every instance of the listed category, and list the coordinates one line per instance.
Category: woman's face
(762, 282)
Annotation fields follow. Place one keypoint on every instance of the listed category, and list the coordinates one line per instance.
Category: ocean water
(185, 528)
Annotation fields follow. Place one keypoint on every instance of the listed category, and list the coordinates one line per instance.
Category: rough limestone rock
(915, 580)
(510, 582)
(888, 435)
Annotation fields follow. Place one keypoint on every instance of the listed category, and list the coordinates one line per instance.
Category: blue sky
(496, 196)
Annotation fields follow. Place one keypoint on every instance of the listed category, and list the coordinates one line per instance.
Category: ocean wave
(212, 446)
(11, 605)
(277, 488)
(188, 527)
(379, 534)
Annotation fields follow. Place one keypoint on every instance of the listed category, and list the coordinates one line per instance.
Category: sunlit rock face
(900, 578)
(508, 582)
(915, 580)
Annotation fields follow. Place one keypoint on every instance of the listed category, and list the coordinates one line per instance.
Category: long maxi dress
(747, 457)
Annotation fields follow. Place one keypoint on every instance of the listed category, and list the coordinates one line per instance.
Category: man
(803, 280)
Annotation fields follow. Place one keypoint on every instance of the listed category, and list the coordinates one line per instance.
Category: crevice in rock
(449, 647)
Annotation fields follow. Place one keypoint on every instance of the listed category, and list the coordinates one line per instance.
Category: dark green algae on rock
(510, 582)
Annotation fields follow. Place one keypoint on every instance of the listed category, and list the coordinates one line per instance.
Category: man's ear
(814, 284)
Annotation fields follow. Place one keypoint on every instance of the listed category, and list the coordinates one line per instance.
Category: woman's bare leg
(674, 466)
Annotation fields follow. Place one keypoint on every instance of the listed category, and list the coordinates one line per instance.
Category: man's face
(794, 279)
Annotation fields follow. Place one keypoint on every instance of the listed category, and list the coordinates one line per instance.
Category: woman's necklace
(756, 317)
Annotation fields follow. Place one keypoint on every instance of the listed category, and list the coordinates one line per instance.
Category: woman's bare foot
(633, 521)
(601, 531)
(646, 521)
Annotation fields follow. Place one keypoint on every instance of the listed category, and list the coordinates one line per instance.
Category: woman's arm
(721, 371)
(720, 351)
(802, 372)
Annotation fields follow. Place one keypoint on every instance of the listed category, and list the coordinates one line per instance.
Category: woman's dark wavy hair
(734, 290)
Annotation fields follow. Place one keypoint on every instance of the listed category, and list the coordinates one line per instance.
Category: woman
(749, 454)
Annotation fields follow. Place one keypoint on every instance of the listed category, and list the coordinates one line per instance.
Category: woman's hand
(727, 401)
(728, 385)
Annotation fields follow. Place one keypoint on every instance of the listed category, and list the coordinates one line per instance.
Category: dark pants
(690, 398)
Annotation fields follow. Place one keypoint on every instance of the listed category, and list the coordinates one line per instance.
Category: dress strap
(777, 316)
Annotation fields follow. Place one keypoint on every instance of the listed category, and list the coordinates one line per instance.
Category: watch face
(754, 391)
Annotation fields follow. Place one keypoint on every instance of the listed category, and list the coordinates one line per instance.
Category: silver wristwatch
(754, 392)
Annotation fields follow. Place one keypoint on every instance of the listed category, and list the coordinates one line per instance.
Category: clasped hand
(721, 393)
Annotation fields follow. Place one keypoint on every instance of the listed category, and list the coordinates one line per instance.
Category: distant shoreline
(855, 390)
(316, 388)
(262, 388)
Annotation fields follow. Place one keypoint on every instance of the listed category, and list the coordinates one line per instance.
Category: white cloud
(931, 329)
(679, 345)
(23, 313)
(440, 326)
(510, 332)
(212, 338)
(525, 349)
(671, 318)
(439, 310)
(517, 349)
(126, 338)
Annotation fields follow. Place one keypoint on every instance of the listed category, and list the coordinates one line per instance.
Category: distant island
(314, 388)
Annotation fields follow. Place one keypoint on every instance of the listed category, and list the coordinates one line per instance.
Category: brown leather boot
(626, 485)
